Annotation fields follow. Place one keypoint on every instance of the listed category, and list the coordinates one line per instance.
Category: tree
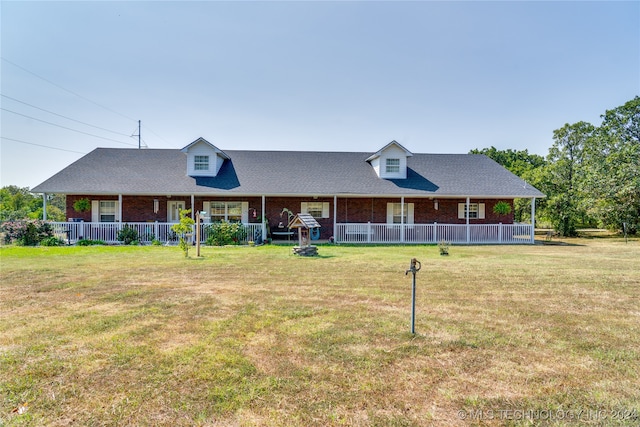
(613, 164)
(182, 228)
(563, 177)
(18, 203)
(521, 163)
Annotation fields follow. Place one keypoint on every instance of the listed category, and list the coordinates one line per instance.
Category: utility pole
(139, 135)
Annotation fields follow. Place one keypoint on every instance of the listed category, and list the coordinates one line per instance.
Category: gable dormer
(390, 162)
(203, 158)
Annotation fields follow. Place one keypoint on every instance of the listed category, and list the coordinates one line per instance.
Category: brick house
(391, 195)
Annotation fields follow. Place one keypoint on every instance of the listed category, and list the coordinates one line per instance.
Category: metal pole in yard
(414, 268)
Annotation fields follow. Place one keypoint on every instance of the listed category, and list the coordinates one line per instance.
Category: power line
(64, 127)
(65, 89)
(40, 145)
(64, 117)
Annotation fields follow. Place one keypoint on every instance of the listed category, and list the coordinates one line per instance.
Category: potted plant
(502, 208)
(82, 205)
(443, 247)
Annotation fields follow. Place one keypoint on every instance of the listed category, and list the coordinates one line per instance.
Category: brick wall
(140, 209)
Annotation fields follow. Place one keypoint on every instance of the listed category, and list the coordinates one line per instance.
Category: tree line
(591, 175)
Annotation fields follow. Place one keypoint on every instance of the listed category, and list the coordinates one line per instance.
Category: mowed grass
(256, 336)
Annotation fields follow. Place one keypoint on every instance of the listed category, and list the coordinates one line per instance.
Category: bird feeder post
(413, 268)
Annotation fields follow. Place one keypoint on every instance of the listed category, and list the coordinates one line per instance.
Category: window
(393, 166)
(395, 215)
(476, 210)
(201, 163)
(315, 209)
(107, 211)
(226, 211)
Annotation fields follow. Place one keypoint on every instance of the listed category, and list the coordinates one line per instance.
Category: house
(391, 195)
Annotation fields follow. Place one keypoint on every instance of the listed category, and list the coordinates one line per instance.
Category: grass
(255, 336)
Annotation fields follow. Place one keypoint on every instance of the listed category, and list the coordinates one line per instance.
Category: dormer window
(393, 166)
(201, 163)
(204, 158)
(391, 161)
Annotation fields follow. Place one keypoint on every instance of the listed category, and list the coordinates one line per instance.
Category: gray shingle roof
(156, 171)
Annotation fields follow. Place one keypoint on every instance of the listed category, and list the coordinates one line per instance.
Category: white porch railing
(147, 231)
(434, 233)
(344, 233)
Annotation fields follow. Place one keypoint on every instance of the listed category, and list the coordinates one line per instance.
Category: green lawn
(506, 335)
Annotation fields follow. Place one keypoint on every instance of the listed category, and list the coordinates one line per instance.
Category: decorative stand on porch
(304, 223)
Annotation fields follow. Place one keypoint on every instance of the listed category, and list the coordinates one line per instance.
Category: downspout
(44, 206)
(467, 218)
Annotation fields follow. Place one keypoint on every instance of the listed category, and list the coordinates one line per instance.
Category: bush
(128, 235)
(52, 241)
(26, 233)
(226, 233)
(89, 242)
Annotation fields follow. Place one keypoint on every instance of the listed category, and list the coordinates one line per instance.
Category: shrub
(128, 235)
(26, 233)
(89, 242)
(52, 241)
(225, 233)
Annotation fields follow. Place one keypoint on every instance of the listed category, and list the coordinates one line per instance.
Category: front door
(173, 210)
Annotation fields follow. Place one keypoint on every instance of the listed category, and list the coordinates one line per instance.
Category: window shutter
(325, 210)
(206, 206)
(461, 211)
(303, 208)
(480, 210)
(117, 214)
(95, 211)
(410, 213)
(245, 212)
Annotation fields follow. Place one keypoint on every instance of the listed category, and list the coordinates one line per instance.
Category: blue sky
(438, 77)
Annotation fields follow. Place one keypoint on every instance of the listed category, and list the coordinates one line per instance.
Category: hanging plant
(82, 205)
(502, 208)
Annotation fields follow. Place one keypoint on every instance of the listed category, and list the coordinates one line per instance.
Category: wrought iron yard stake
(413, 268)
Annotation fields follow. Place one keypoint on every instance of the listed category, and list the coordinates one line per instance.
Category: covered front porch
(353, 233)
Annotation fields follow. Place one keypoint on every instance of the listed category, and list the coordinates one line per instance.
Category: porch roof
(285, 173)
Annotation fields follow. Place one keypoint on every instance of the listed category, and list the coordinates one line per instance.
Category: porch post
(264, 217)
(44, 206)
(533, 219)
(467, 218)
(193, 207)
(120, 208)
(335, 216)
(402, 219)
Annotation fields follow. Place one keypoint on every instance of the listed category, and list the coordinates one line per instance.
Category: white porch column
(467, 218)
(44, 206)
(402, 219)
(335, 216)
(264, 218)
(533, 219)
(193, 207)
(120, 208)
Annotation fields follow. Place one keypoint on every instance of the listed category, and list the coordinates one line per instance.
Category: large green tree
(563, 177)
(520, 162)
(612, 162)
(18, 203)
